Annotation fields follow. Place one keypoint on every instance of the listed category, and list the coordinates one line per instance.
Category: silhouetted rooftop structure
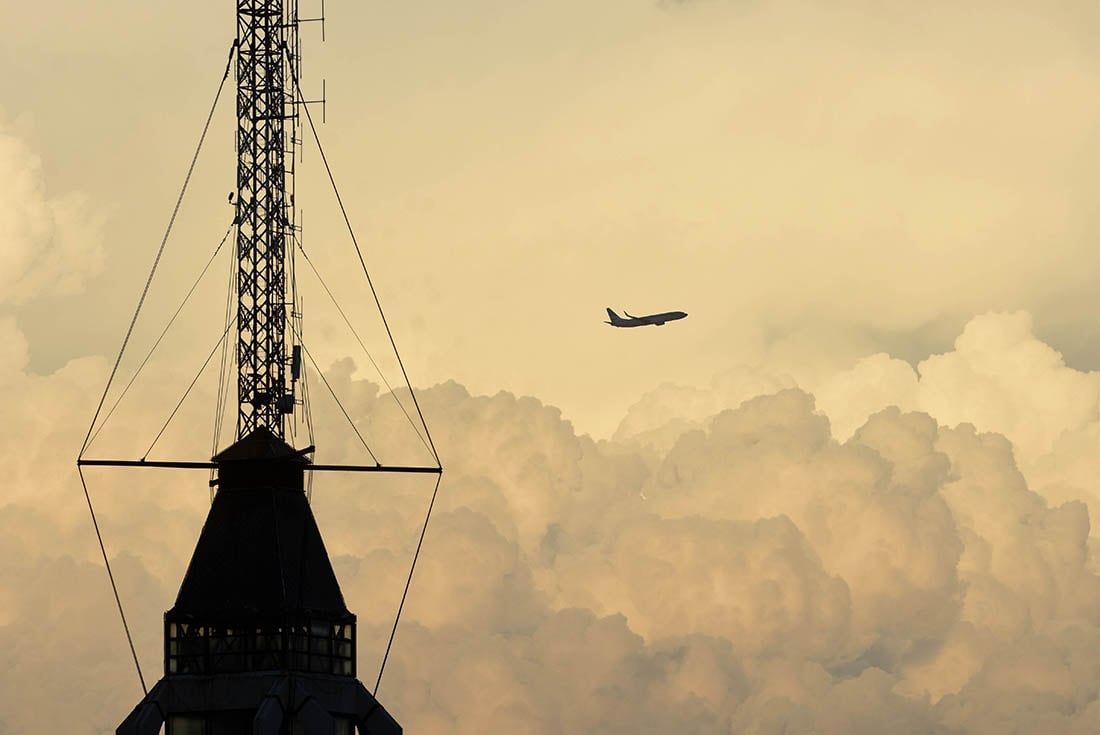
(260, 552)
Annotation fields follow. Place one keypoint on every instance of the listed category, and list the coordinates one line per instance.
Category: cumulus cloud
(799, 546)
(823, 539)
(762, 575)
(50, 243)
(999, 377)
(892, 578)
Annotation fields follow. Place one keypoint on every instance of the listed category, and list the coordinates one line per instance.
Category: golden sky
(851, 493)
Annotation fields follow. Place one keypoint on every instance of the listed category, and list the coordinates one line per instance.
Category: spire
(266, 113)
(259, 640)
(260, 551)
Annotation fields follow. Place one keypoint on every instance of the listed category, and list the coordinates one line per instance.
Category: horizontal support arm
(397, 469)
(373, 468)
(144, 463)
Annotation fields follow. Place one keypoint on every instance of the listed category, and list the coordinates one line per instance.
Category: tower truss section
(267, 140)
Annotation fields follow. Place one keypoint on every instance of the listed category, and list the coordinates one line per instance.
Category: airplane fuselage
(656, 320)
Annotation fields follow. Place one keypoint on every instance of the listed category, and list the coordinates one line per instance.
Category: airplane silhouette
(656, 320)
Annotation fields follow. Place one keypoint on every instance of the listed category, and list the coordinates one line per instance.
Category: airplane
(656, 320)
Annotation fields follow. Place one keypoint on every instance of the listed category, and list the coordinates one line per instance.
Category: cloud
(761, 575)
(999, 377)
(885, 572)
(870, 508)
(818, 541)
(50, 243)
(825, 538)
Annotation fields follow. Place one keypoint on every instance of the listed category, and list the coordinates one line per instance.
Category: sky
(852, 492)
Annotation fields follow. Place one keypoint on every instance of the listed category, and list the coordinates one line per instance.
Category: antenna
(265, 210)
(260, 638)
(320, 20)
(266, 56)
(268, 64)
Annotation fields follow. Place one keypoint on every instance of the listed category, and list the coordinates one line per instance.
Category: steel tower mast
(260, 640)
(267, 118)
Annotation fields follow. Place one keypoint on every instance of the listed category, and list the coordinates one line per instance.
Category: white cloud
(762, 576)
(48, 243)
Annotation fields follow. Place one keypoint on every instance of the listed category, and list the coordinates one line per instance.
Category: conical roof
(260, 555)
(261, 444)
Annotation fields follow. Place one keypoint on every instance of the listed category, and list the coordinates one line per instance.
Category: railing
(315, 646)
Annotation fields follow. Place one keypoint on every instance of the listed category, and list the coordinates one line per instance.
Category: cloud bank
(823, 539)
(755, 571)
(51, 244)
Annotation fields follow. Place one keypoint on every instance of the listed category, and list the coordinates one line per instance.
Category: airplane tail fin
(615, 319)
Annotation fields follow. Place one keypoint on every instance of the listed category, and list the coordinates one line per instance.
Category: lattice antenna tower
(260, 639)
(268, 67)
